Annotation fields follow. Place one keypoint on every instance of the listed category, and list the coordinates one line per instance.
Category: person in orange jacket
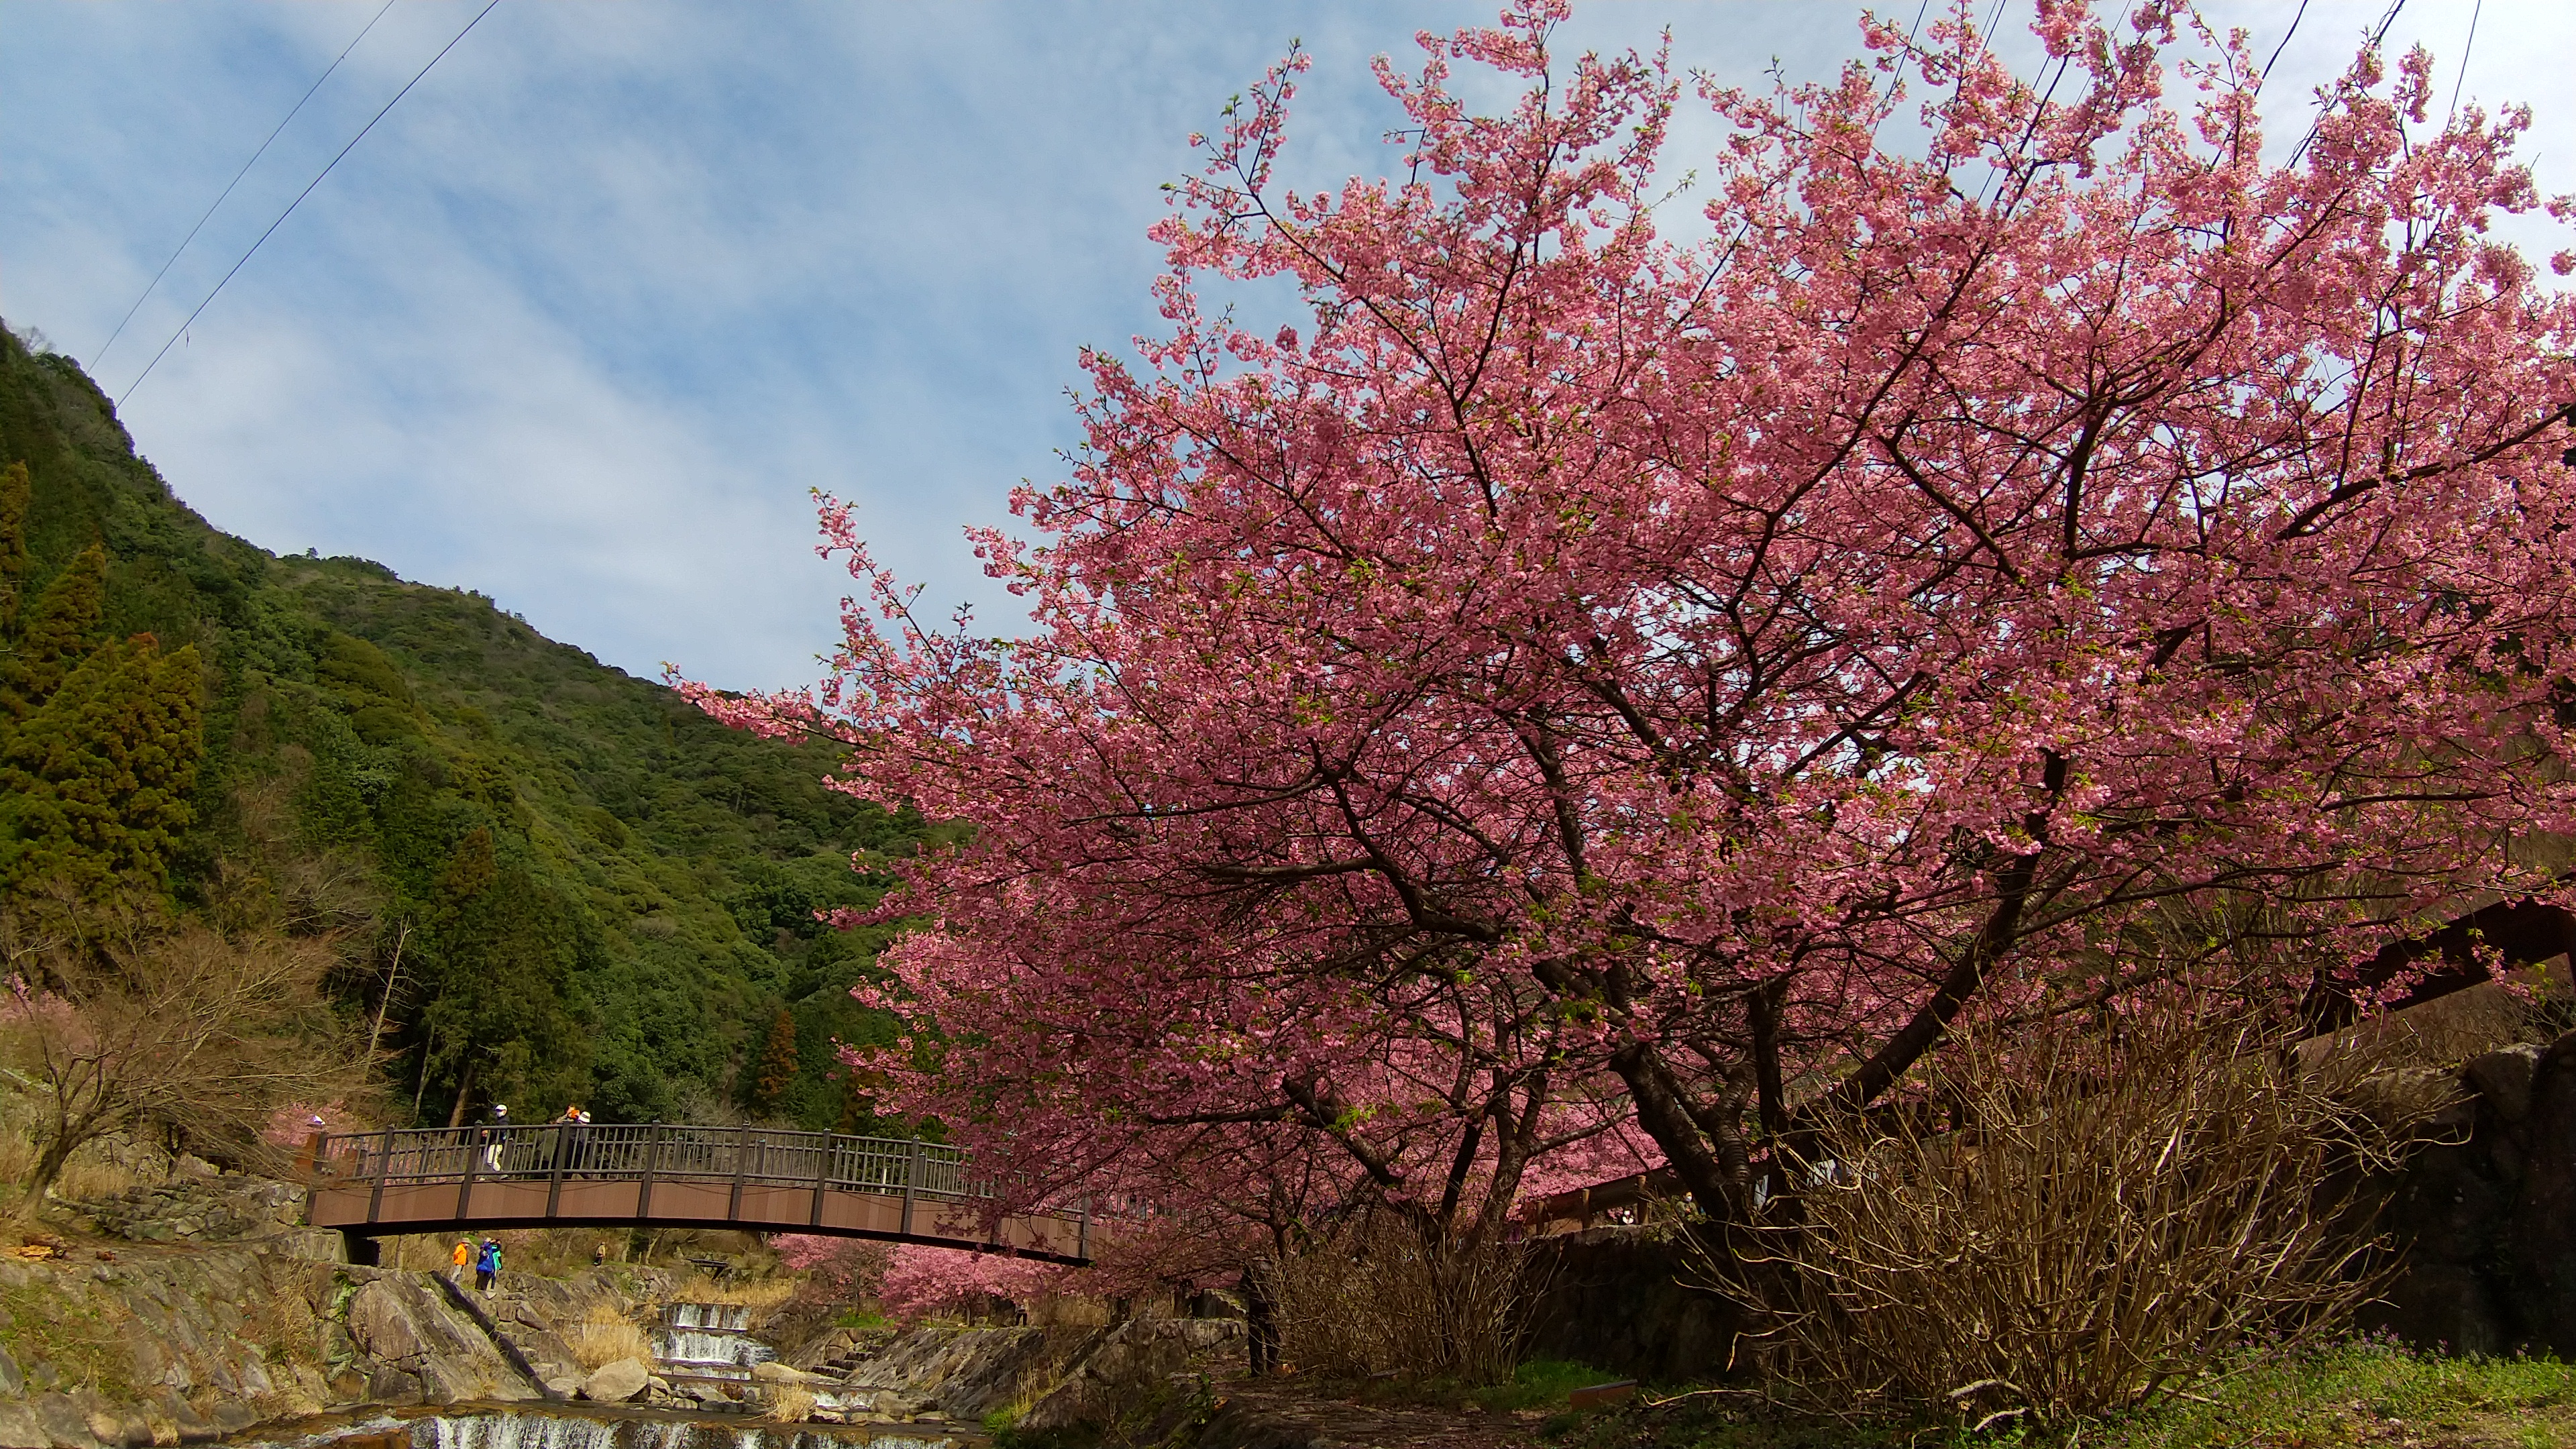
(464, 1256)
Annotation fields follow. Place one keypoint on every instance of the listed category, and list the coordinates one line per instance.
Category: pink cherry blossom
(1577, 698)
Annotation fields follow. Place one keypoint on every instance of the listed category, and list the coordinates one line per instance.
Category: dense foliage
(557, 883)
(1570, 687)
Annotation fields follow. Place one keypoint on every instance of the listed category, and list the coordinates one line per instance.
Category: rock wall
(1133, 1369)
(2485, 1212)
(177, 1345)
(967, 1372)
(197, 1206)
(1622, 1299)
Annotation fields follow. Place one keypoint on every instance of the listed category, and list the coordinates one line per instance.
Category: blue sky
(584, 319)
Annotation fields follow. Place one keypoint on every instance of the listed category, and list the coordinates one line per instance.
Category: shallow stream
(591, 1426)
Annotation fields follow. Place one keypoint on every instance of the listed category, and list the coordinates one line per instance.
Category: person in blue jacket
(487, 1265)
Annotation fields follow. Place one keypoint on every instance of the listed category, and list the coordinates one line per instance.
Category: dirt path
(1279, 1416)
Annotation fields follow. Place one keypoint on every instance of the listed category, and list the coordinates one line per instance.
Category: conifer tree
(778, 1061)
(499, 962)
(17, 496)
(58, 633)
(96, 780)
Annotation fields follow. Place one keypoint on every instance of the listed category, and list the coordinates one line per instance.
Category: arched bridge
(752, 1179)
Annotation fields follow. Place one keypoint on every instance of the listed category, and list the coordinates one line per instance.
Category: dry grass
(759, 1293)
(2117, 1213)
(98, 1169)
(1070, 1310)
(605, 1337)
(787, 1404)
(1382, 1298)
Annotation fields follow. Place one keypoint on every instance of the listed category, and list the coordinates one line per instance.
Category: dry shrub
(2119, 1211)
(1075, 1310)
(132, 1026)
(605, 1336)
(1383, 1296)
(95, 1169)
(757, 1293)
(787, 1404)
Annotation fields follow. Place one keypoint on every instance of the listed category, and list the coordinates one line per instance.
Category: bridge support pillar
(360, 1250)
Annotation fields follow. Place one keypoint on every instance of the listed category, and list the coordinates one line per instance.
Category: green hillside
(557, 882)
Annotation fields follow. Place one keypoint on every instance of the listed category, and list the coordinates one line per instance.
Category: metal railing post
(822, 1174)
(741, 1149)
(644, 1194)
(384, 1166)
(558, 1149)
(911, 1184)
(465, 1186)
(1082, 1233)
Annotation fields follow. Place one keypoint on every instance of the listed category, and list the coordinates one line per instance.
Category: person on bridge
(464, 1254)
(494, 1133)
(487, 1268)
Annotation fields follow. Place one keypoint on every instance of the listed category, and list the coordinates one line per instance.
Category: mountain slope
(560, 883)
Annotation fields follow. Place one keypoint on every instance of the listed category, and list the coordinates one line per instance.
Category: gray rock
(390, 1385)
(381, 1322)
(12, 1382)
(2504, 1079)
(19, 1429)
(65, 1424)
(617, 1382)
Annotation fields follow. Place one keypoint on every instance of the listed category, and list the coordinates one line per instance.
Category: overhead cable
(101, 354)
(299, 200)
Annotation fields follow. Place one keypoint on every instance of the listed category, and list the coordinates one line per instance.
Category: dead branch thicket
(181, 1034)
(1380, 1295)
(2109, 1213)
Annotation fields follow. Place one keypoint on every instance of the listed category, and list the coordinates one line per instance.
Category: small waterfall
(722, 1317)
(700, 1341)
(695, 1346)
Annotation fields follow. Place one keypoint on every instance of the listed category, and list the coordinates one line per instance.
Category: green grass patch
(1541, 1383)
(2355, 1394)
(2363, 1391)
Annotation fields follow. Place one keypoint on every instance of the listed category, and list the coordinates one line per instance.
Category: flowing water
(590, 1426)
(724, 1317)
(702, 1341)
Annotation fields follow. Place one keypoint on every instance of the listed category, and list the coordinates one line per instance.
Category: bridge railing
(890, 1165)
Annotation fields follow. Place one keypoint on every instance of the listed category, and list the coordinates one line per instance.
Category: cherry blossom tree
(1578, 689)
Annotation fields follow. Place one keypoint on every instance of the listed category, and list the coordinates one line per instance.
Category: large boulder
(615, 1383)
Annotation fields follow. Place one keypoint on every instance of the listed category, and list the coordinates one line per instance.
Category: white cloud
(581, 323)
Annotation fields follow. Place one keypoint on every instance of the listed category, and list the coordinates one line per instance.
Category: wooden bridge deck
(444, 1180)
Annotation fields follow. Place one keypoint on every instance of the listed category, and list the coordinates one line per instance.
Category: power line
(299, 200)
(2266, 73)
(2326, 104)
(2465, 47)
(101, 355)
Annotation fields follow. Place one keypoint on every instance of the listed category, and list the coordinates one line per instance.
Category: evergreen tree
(778, 1063)
(506, 947)
(17, 495)
(59, 632)
(96, 780)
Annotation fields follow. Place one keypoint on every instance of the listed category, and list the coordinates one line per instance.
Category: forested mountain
(556, 883)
